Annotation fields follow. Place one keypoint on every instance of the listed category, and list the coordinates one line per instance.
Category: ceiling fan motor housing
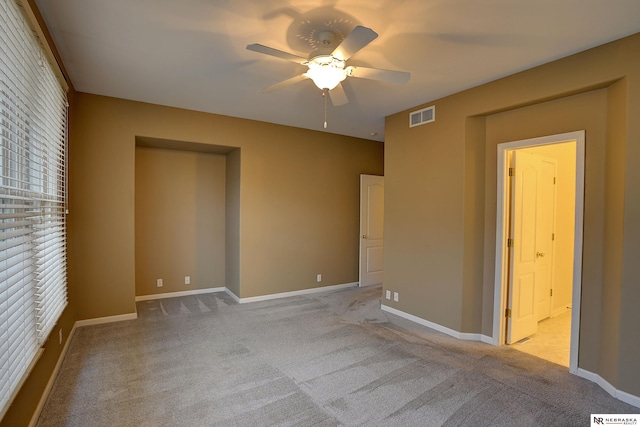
(326, 36)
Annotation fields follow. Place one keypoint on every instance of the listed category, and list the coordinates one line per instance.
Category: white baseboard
(52, 378)
(618, 394)
(628, 398)
(292, 293)
(235, 297)
(453, 333)
(488, 340)
(558, 311)
(431, 325)
(249, 299)
(470, 337)
(108, 319)
(179, 294)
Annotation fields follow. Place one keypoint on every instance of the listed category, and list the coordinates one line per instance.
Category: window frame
(33, 195)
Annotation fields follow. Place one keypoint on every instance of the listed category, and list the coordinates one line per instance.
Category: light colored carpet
(326, 359)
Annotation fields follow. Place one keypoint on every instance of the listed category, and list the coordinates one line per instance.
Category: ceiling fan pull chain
(324, 94)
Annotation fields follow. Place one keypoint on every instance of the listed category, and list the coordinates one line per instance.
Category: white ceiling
(191, 53)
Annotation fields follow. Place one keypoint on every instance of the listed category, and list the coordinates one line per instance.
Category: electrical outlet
(319, 278)
(388, 295)
(395, 296)
(159, 283)
(60, 336)
(187, 280)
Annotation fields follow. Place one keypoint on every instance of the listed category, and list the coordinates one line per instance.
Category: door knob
(364, 236)
(539, 254)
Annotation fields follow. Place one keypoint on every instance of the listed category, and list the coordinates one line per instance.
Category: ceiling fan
(327, 69)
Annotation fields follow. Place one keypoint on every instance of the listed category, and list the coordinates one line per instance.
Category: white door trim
(502, 233)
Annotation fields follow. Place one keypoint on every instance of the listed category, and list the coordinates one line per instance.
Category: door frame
(502, 234)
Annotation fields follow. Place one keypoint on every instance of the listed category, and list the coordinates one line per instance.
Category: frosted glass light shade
(326, 75)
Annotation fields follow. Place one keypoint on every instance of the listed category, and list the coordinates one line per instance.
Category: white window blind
(33, 125)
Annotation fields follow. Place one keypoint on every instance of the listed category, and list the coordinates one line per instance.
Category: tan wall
(296, 196)
(179, 220)
(440, 198)
(232, 226)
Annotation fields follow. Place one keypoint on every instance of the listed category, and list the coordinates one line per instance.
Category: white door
(531, 255)
(523, 320)
(371, 229)
(545, 226)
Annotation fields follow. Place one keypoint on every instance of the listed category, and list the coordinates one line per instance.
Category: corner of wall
(473, 292)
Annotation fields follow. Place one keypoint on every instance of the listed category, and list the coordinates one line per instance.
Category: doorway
(538, 279)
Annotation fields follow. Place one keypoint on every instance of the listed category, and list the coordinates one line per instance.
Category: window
(33, 135)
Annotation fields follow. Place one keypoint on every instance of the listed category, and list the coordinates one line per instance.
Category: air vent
(420, 117)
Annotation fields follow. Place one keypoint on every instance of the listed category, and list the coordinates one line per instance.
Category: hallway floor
(552, 341)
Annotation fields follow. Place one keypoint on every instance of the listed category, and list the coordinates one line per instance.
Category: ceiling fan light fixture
(326, 72)
(328, 69)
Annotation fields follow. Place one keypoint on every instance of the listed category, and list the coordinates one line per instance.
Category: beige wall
(440, 199)
(179, 220)
(232, 226)
(291, 200)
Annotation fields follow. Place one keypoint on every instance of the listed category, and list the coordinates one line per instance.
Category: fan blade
(356, 40)
(338, 96)
(284, 83)
(277, 53)
(398, 77)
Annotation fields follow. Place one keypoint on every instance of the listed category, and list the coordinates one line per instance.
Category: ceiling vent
(420, 117)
